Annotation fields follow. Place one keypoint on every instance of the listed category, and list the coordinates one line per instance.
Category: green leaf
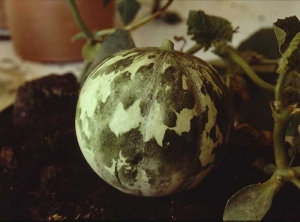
(206, 29)
(285, 30)
(128, 10)
(90, 50)
(252, 202)
(106, 2)
(119, 40)
(291, 57)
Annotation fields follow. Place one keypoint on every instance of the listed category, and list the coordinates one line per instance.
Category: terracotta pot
(42, 30)
(2, 15)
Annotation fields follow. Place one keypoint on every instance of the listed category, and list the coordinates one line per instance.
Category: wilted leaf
(90, 50)
(285, 30)
(206, 29)
(252, 202)
(128, 10)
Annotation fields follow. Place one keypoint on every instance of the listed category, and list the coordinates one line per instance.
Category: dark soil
(44, 176)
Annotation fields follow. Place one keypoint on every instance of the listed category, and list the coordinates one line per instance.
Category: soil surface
(44, 176)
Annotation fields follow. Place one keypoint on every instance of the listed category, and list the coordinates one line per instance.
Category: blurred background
(21, 21)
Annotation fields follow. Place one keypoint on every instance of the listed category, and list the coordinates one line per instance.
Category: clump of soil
(44, 176)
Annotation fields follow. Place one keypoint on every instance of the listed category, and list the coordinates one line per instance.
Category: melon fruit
(153, 121)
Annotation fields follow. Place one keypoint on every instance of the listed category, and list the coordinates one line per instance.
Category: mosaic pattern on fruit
(153, 122)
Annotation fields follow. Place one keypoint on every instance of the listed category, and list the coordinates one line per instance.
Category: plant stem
(195, 48)
(156, 6)
(279, 87)
(280, 125)
(133, 26)
(263, 68)
(149, 17)
(78, 19)
(282, 116)
(296, 171)
(248, 70)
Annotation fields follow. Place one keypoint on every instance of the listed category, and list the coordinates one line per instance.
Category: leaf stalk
(231, 52)
(130, 27)
(76, 15)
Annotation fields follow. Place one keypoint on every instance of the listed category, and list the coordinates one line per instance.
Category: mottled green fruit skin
(151, 121)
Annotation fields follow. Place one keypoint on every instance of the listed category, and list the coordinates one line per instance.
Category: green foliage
(252, 202)
(287, 32)
(128, 10)
(206, 29)
(291, 57)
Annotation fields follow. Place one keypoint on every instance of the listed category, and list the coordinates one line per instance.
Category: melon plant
(153, 121)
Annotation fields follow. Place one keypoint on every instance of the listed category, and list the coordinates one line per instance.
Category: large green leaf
(206, 29)
(128, 10)
(285, 30)
(252, 202)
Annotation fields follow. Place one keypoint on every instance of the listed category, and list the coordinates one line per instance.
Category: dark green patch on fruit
(127, 176)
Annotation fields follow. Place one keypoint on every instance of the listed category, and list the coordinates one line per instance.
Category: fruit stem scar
(167, 45)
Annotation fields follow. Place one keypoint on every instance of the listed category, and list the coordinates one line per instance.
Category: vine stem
(279, 87)
(195, 48)
(296, 170)
(74, 10)
(261, 67)
(149, 17)
(231, 52)
(133, 26)
(281, 120)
